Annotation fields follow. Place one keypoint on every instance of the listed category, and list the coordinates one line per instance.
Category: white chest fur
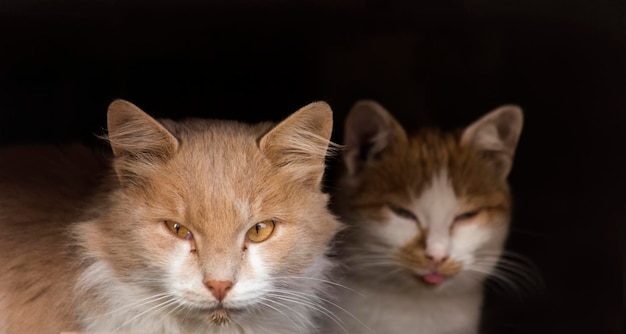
(420, 312)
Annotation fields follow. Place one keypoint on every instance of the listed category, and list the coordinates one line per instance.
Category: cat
(199, 226)
(426, 216)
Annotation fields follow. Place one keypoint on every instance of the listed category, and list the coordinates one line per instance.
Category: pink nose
(436, 259)
(219, 289)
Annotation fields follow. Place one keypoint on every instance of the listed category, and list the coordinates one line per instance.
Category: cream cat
(205, 226)
(427, 217)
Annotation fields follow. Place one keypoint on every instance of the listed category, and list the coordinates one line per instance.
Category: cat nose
(219, 289)
(436, 259)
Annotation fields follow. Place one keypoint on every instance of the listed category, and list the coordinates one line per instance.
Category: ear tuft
(369, 129)
(136, 138)
(301, 141)
(496, 135)
(132, 131)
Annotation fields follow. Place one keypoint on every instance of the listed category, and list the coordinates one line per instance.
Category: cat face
(432, 208)
(217, 219)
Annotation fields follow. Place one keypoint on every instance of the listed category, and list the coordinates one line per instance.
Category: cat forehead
(219, 173)
(214, 134)
(211, 154)
(217, 148)
(428, 156)
(432, 151)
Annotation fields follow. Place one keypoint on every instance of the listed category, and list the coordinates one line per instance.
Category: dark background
(563, 62)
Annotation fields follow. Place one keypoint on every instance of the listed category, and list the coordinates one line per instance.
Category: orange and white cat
(202, 226)
(427, 215)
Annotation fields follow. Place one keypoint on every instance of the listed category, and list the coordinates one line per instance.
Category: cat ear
(496, 134)
(301, 141)
(369, 129)
(135, 136)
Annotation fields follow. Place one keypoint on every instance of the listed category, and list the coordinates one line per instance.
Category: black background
(428, 62)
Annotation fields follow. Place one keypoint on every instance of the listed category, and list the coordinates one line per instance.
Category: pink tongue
(433, 278)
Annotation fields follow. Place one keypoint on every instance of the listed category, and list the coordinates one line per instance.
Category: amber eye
(466, 216)
(179, 230)
(402, 212)
(261, 231)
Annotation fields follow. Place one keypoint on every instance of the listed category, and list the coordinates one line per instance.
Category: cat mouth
(432, 278)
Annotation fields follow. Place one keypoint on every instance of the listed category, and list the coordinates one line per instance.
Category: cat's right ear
(369, 129)
(134, 136)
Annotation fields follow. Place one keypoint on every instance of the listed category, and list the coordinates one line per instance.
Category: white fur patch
(397, 231)
(184, 279)
(468, 238)
(247, 290)
(128, 306)
(435, 208)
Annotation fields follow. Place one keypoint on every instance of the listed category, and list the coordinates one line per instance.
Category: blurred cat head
(429, 208)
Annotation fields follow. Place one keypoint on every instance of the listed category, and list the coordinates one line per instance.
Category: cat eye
(261, 231)
(179, 230)
(402, 212)
(466, 216)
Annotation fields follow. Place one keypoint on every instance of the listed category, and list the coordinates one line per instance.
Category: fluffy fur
(427, 217)
(79, 257)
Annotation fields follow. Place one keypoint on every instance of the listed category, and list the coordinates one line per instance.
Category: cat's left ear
(496, 135)
(301, 141)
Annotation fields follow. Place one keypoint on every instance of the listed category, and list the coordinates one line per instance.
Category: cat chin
(221, 316)
(218, 315)
(225, 310)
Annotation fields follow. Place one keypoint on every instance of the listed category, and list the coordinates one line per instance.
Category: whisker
(389, 274)
(530, 279)
(152, 309)
(297, 326)
(374, 265)
(514, 264)
(138, 303)
(503, 280)
(314, 306)
(320, 280)
(496, 285)
(176, 308)
(326, 300)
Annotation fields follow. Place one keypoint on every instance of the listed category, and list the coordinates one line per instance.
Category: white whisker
(152, 309)
(320, 280)
(328, 301)
(312, 305)
(297, 326)
(126, 308)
